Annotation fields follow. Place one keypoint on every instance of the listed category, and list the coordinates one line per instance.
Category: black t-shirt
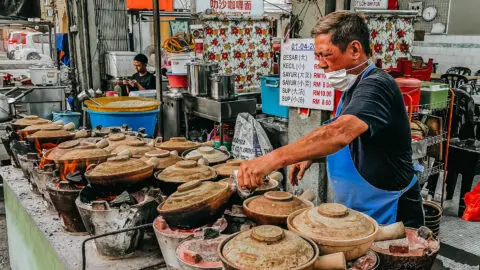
(147, 81)
(383, 154)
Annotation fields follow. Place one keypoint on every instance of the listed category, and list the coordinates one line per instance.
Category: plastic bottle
(118, 89)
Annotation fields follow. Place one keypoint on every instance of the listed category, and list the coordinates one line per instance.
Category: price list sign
(302, 82)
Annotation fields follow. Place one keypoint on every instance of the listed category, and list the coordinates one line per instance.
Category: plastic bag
(250, 139)
(472, 201)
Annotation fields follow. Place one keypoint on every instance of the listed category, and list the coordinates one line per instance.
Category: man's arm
(319, 143)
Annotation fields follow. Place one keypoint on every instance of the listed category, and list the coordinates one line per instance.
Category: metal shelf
(423, 177)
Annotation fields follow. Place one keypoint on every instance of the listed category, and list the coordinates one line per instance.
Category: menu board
(302, 82)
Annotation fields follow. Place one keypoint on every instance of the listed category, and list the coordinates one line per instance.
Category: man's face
(139, 66)
(329, 56)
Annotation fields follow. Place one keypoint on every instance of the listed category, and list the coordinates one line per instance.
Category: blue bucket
(135, 120)
(270, 88)
(67, 117)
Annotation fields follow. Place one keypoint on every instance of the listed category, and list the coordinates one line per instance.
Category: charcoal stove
(41, 178)
(117, 212)
(170, 238)
(63, 195)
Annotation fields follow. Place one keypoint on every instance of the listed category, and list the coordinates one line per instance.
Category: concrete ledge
(37, 240)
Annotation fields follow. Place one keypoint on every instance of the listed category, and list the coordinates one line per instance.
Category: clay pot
(52, 134)
(182, 172)
(335, 228)
(138, 148)
(273, 207)
(212, 155)
(28, 120)
(195, 204)
(164, 158)
(226, 170)
(179, 144)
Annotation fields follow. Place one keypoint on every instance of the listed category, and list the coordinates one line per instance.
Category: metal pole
(158, 59)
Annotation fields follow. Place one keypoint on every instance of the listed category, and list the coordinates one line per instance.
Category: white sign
(302, 82)
(371, 4)
(231, 7)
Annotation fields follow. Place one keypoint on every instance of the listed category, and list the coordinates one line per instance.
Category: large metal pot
(223, 86)
(199, 73)
(4, 108)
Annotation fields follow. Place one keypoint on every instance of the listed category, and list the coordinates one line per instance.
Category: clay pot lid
(201, 253)
(116, 137)
(56, 153)
(34, 128)
(51, 127)
(136, 143)
(193, 193)
(85, 152)
(185, 171)
(69, 144)
(118, 165)
(268, 247)
(163, 158)
(226, 169)
(275, 203)
(52, 133)
(209, 153)
(136, 147)
(177, 143)
(29, 120)
(333, 222)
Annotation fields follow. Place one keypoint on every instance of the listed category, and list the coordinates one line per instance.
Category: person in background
(142, 79)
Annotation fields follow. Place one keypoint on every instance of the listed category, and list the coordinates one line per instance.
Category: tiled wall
(442, 15)
(449, 51)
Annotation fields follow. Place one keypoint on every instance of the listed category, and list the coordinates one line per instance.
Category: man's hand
(252, 173)
(298, 170)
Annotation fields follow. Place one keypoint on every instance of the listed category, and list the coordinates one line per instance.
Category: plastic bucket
(410, 88)
(67, 117)
(270, 91)
(177, 80)
(135, 120)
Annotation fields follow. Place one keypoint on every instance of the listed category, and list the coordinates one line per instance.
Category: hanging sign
(302, 82)
(371, 4)
(231, 7)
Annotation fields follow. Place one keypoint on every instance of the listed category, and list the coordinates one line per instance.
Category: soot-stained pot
(119, 170)
(195, 204)
(28, 120)
(136, 147)
(161, 158)
(53, 135)
(273, 207)
(267, 247)
(182, 172)
(212, 155)
(178, 144)
(199, 253)
(335, 228)
(226, 169)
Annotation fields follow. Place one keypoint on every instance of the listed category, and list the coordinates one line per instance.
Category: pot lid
(52, 132)
(164, 158)
(34, 128)
(117, 137)
(29, 120)
(268, 247)
(87, 151)
(332, 221)
(187, 170)
(226, 169)
(209, 153)
(177, 143)
(136, 147)
(201, 253)
(57, 152)
(193, 193)
(275, 203)
(118, 165)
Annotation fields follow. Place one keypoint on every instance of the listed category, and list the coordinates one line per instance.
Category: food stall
(117, 196)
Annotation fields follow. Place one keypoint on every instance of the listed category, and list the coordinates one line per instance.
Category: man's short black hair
(142, 58)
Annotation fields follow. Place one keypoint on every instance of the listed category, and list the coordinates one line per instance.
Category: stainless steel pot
(4, 108)
(199, 73)
(223, 86)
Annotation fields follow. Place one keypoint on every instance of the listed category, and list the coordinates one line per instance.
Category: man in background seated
(142, 79)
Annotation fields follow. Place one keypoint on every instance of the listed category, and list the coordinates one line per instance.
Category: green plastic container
(434, 94)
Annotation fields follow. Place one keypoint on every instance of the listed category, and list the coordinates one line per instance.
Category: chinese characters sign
(371, 4)
(231, 7)
(302, 82)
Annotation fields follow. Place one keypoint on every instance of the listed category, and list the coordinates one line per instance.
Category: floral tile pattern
(241, 47)
(391, 38)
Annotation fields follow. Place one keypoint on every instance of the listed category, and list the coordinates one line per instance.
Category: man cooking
(367, 145)
(142, 79)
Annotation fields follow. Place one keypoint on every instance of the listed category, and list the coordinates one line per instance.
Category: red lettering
(316, 84)
(222, 4)
(248, 5)
(316, 92)
(214, 4)
(231, 4)
(316, 101)
(239, 5)
(317, 75)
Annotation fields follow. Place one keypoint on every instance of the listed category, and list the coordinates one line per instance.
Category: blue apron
(353, 191)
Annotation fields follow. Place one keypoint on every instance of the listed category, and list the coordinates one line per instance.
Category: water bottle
(118, 89)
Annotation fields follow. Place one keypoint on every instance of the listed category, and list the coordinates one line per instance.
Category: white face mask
(340, 80)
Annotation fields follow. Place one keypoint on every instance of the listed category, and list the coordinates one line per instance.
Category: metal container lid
(185, 171)
(333, 222)
(193, 194)
(268, 247)
(275, 203)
